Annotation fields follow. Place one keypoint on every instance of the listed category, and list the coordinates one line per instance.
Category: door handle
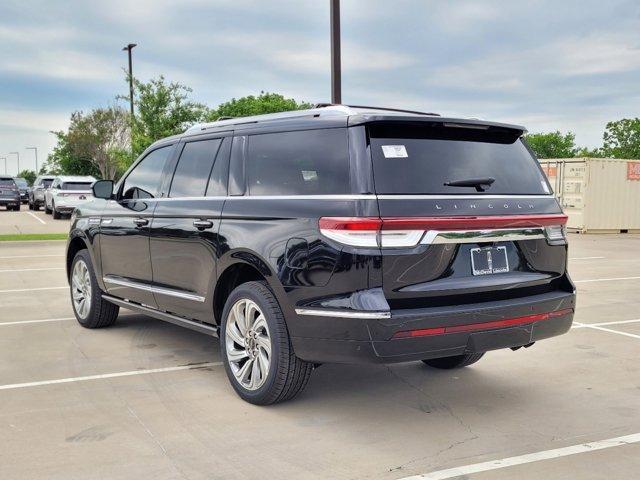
(141, 222)
(202, 224)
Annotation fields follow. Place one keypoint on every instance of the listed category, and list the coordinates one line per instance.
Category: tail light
(398, 232)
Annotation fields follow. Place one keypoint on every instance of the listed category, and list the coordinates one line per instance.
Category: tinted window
(47, 183)
(417, 159)
(7, 182)
(21, 182)
(194, 167)
(144, 179)
(310, 162)
(76, 186)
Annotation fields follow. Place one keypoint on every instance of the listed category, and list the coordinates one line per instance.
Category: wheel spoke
(236, 355)
(264, 364)
(256, 378)
(243, 373)
(265, 344)
(234, 334)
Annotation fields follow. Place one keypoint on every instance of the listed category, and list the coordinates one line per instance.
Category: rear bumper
(9, 201)
(341, 340)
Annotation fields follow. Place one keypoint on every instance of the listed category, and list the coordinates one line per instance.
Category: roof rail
(386, 109)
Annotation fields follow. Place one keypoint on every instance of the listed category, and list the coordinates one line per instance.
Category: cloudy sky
(567, 65)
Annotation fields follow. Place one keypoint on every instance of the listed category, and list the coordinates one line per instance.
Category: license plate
(489, 260)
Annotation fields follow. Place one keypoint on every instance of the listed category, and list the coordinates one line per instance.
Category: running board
(167, 317)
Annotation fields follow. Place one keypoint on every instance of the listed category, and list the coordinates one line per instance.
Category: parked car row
(59, 195)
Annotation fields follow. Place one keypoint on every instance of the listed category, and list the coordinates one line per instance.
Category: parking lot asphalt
(146, 399)
(28, 221)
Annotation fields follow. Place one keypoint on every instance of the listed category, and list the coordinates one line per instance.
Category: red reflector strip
(425, 332)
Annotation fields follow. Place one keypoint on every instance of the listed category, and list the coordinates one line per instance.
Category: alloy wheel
(248, 344)
(81, 289)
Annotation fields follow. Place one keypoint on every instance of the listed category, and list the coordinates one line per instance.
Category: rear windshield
(21, 182)
(76, 186)
(420, 159)
(7, 182)
(47, 183)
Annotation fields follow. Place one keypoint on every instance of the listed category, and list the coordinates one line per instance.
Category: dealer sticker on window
(394, 151)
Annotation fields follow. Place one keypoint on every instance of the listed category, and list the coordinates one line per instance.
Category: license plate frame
(489, 260)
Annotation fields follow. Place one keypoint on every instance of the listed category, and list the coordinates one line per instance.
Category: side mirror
(103, 189)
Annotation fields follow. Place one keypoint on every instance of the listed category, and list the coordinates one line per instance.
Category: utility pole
(128, 48)
(17, 154)
(35, 149)
(336, 67)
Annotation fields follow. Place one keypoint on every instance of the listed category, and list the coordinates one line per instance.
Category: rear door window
(308, 162)
(421, 159)
(194, 167)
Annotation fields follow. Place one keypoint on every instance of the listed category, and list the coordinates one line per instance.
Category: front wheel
(457, 361)
(256, 349)
(47, 210)
(90, 309)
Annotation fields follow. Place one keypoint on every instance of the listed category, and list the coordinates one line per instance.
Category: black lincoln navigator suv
(336, 234)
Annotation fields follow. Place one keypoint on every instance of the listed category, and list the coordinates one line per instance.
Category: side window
(144, 180)
(194, 167)
(308, 162)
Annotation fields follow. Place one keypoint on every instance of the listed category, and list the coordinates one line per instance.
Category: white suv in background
(66, 193)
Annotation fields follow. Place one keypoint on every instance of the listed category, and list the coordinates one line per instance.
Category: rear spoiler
(448, 122)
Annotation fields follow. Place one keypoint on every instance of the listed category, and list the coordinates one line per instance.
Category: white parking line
(602, 329)
(605, 279)
(33, 256)
(110, 375)
(32, 289)
(527, 458)
(20, 322)
(585, 258)
(36, 217)
(31, 269)
(603, 324)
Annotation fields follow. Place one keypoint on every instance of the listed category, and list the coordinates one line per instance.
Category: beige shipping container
(598, 194)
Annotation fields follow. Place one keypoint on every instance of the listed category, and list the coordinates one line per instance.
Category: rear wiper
(480, 183)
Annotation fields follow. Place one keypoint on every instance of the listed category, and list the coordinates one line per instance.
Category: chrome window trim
(435, 237)
(149, 288)
(364, 196)
(323, 312)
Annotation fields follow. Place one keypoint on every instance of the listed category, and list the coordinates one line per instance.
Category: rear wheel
(256, 349)
(458, 361)
(90, 309)
(47, 210)
(17, 208)
(56, 214)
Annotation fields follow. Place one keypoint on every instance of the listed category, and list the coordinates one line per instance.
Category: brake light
(396, 232)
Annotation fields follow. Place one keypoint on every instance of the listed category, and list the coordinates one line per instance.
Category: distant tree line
(621, 139)
(103, 142)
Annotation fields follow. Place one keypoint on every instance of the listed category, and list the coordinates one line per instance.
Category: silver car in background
(66, 193)
(36, 192)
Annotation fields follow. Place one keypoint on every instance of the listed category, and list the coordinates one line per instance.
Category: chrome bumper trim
(322, 312)
(435, 237)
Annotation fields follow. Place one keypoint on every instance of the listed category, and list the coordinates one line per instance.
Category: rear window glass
(308, 162)
(420, 159)
(7, 182)
(76, 186)
(194, 167)
(47, 183)
(21, 182)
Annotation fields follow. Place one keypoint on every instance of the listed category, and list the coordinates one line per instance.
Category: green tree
(553, 144)
(162, 109)
(28, 175)
(264, 103)
(64, 160)
(621, 139)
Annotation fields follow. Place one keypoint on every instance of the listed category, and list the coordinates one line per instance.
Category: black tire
(36, 206)
(459, 361)
(56, 214)
(101, 313)
(47, 210)
(288, 375)
(17, 208)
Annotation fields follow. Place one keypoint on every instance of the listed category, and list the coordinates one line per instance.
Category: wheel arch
(240, 267)
(77, 241)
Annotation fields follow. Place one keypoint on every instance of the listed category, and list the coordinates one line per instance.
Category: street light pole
(128, 48)
(17, 154)
(35, 149)
(336, 67)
